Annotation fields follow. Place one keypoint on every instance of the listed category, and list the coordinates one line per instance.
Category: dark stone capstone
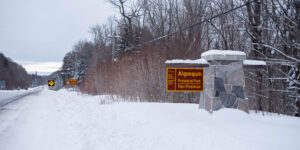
(238, 91)
(227, 100)
(219, 86)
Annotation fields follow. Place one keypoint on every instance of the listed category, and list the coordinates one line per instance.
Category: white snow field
(64, 120)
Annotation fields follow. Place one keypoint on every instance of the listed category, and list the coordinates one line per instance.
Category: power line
(191, 26)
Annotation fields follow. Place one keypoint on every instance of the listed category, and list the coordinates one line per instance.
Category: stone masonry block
(238, 91)
(227, 99)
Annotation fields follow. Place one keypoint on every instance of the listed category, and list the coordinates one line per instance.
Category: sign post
(2, 84)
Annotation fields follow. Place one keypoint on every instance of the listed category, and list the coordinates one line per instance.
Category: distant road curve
(9, 96)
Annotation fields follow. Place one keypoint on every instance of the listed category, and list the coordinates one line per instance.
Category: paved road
(7, 97)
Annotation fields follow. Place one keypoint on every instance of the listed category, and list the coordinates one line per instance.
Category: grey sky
(45, 30)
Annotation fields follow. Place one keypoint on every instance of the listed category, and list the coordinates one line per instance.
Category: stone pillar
(224, 81)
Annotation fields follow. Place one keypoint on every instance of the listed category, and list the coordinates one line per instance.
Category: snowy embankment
(64, 120)
(6, 96)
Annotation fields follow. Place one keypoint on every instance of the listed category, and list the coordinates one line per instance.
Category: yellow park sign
(185, 79)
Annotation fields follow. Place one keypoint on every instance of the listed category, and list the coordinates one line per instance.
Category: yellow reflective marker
(51, 83)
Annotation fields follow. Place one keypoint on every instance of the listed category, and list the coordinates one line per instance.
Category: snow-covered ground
(64, 120)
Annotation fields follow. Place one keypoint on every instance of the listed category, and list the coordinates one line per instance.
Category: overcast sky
(42, 31)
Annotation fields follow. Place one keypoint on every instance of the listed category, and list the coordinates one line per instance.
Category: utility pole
(114, 41)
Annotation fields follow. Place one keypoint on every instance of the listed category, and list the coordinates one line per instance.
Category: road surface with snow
(65, 120)
(8, 96)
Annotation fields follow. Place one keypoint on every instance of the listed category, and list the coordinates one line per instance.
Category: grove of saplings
(268, 30)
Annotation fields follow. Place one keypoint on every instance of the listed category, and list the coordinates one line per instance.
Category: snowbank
(60, 120)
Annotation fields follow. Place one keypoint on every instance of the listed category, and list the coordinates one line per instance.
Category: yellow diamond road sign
(51, 83)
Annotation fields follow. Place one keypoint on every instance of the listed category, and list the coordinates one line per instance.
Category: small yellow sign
(51, 83)
(71, 82)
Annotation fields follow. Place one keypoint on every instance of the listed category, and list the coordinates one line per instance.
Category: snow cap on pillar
(223, 55)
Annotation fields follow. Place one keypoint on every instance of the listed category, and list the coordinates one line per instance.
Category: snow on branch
(254, 62)
(280, 52)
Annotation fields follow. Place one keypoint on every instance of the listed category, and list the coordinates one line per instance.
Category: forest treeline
(115, 63)
(16, 77)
